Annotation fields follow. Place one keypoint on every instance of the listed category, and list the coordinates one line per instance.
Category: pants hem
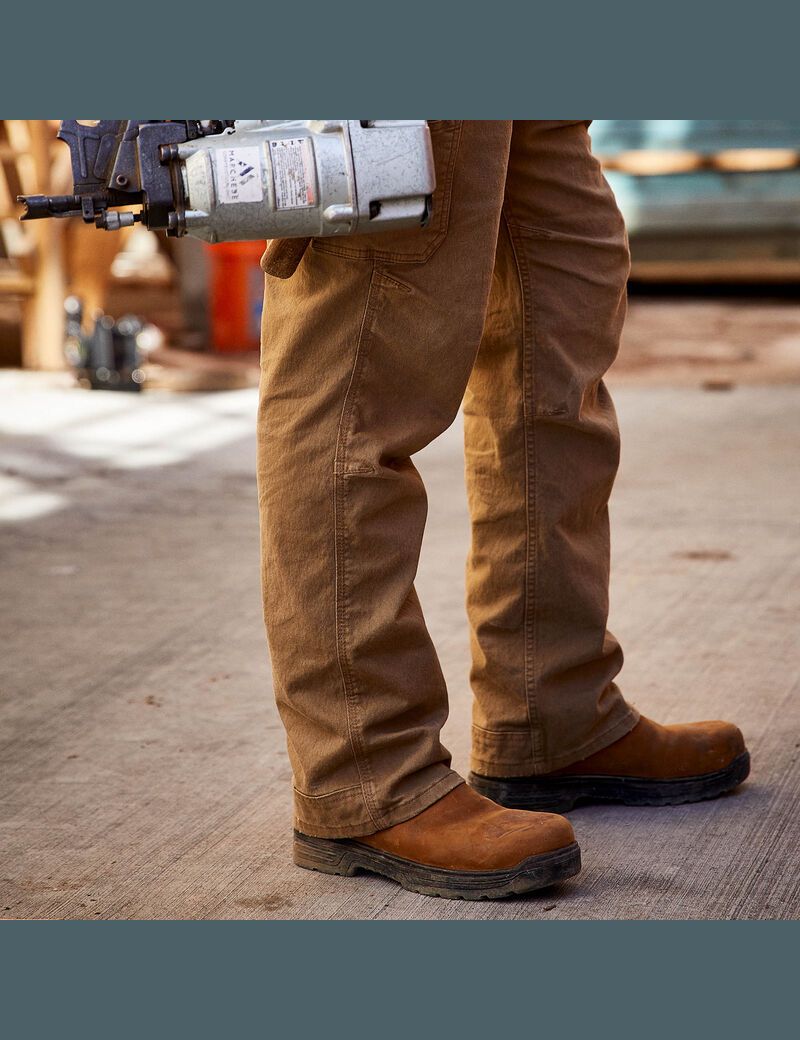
(364, 825)
(497, 758)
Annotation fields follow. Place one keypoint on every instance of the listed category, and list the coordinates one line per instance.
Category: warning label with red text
(293, 172)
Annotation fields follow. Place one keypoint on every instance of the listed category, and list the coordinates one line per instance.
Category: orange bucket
(237, 295)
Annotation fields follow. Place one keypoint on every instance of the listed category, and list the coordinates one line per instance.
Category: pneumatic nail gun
(233, 180)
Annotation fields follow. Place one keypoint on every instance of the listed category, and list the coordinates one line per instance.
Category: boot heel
(323, 854)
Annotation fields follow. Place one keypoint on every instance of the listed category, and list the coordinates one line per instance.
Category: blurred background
(711, 206)
(144, 764)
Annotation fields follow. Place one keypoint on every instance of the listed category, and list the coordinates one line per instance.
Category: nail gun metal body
(234, 180)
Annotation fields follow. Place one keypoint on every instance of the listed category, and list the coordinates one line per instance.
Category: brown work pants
(511, 301)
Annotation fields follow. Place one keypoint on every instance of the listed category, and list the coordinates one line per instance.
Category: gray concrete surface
(143, 766)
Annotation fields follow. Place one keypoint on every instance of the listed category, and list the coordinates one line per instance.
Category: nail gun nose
(38, 206)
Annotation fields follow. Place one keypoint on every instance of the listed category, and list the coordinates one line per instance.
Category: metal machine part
(108, 356)
(234, 180)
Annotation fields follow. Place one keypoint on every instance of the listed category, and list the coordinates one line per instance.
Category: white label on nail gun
(238, 175)
(292, 172)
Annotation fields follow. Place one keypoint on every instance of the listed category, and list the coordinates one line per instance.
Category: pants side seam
(341, 560)
(528, 363)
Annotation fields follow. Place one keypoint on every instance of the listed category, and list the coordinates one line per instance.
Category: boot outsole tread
(559, 794)
(348, 856)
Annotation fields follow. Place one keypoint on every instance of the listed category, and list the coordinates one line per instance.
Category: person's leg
(550, 725)
(367, 349)
(542, 449)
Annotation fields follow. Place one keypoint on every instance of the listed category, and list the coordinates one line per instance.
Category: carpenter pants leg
(367, 350)
(542, 448)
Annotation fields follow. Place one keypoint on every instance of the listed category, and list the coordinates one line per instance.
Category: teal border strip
(416, 980)
(500, 60)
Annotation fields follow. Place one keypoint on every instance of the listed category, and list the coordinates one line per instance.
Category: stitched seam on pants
(497, 732)
(327, 794)
(531, 511)
(531, 229)
(341, 558)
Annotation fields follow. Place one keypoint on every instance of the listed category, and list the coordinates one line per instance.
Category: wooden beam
(651, 162)
(43, 310)
(15, 283)
(757, 269)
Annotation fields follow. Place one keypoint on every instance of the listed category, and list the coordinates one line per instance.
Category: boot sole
(559, 794)
(348, 857)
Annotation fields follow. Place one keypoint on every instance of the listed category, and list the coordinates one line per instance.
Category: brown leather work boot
(461, 847)
(650, 765)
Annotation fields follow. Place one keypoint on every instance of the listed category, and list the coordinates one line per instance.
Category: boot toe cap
(719, 743)
(557, 832)
(543, 832)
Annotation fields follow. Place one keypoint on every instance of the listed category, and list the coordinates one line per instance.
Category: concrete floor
(143, 764)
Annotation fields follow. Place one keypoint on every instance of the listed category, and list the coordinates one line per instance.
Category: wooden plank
(15, 283)
(769, 270)
(31, 149)
(648, 163)
(703, 256)
(43, 313)
(656, 163)
(8, 204)
(749, 160)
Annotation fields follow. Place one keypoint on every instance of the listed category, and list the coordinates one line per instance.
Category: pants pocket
(283, 255)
